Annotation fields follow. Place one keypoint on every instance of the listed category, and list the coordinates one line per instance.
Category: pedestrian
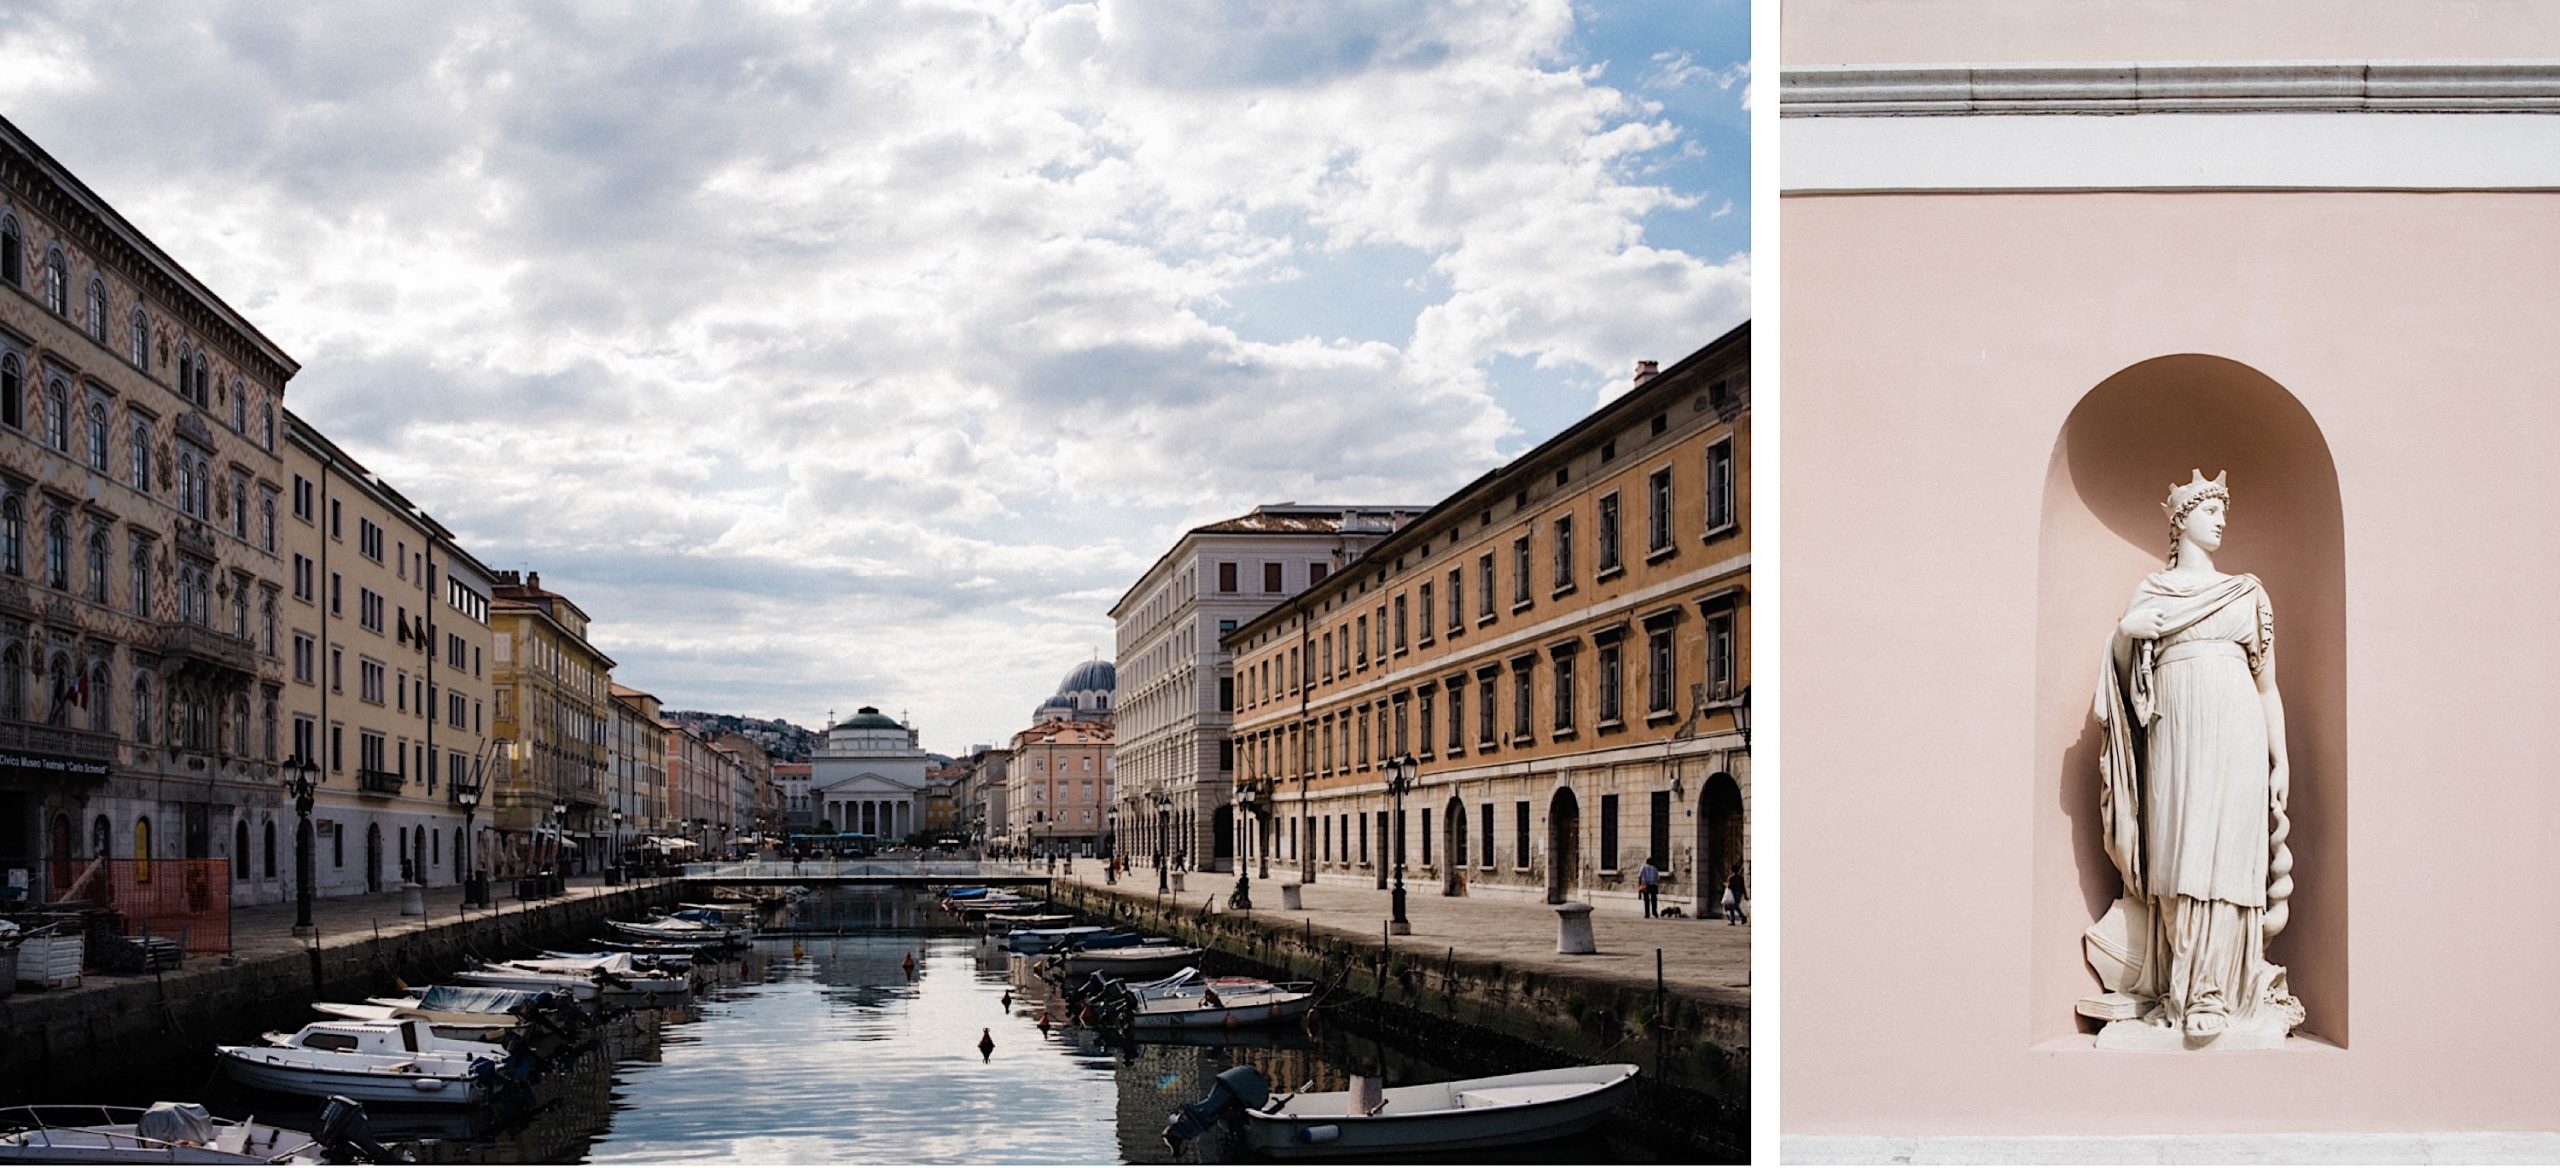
(1649, 885)
(1733, 894)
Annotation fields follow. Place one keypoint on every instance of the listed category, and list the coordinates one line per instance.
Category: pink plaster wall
(1935, 347)
(1889, 32)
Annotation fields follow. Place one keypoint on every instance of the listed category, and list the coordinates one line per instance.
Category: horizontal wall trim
(2220, 151)
(2171, 87)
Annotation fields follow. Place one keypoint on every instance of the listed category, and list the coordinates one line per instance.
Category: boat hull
(1451, 1130)
(265, 1072)
(1196, 1016)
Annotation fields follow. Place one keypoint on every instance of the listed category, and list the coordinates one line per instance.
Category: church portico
(869, 777)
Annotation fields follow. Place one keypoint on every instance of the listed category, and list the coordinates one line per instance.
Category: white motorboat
(384, 1036)
(498, 1030)
(621, 974)
(1000, 922)
(1042, 940)
(164, 1133)
(582, 987)
(684, 932)
(674, 961)
(1457, 1115)
(1125, 962)
(1188, 1001)
(414, 1075)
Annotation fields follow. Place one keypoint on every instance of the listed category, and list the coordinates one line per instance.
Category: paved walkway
(1707, 957)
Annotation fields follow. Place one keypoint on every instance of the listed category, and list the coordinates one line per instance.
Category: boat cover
(474, 999)
(172, 1123)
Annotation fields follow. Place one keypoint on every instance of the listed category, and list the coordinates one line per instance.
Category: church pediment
(866, 783)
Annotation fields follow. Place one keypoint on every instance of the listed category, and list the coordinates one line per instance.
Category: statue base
(2263, 1031)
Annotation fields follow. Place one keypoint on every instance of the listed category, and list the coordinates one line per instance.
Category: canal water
(822, 1046)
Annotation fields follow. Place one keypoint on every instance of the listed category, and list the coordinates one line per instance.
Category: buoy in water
(1008, 1000)
(986, 1044)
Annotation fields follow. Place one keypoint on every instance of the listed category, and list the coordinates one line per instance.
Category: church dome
(1092, 675)
(869, 718)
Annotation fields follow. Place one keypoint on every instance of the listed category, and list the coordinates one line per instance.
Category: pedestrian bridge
(839, 873)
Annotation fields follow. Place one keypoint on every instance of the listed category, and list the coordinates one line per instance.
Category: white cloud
(847, 354)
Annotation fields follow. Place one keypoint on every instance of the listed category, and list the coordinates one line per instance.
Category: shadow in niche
(2125, 443)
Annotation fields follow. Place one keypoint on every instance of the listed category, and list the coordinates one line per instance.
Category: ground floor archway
(1564, 844)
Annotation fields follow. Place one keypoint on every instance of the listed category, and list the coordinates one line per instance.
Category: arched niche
(2119, 451)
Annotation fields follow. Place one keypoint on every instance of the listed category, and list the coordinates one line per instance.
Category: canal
(820, 1044)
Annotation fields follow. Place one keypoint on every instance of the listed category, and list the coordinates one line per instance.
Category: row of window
(194, 380)
(62, 695)
(1392, 628)
(1343, 837)
(197, 484)
(59, 568)
(1411, 721)
(1273, 573)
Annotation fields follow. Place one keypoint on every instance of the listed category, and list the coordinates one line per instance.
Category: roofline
(94, 204)
(1203, 529)
(1608, 414)
(517, 604)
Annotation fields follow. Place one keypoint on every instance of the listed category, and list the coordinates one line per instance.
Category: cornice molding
(2171, 87)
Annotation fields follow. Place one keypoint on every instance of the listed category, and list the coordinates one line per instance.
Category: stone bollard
(413, 899)
(1177, 881)
(1289, 895)
(1573, 928)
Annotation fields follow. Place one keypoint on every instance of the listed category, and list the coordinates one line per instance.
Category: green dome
(869, 718)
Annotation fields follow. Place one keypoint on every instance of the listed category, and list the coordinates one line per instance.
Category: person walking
(1649, 886)
(1733, 894)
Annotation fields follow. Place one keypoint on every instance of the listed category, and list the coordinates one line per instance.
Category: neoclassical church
(1085, 696)
(869, 776)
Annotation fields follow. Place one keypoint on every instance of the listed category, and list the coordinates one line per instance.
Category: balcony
(189, 643)
(196, 539)
(57, 749)
(17, 598)
(383, 784)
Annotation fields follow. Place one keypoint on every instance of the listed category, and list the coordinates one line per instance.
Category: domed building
(1084, 695)
(869, 776)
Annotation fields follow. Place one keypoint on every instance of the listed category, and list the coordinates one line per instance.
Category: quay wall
(1695, 1052)
(55, 1044)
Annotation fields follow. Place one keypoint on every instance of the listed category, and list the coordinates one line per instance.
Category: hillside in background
(784, 741)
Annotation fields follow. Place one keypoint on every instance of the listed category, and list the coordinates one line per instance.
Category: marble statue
(2195, 782)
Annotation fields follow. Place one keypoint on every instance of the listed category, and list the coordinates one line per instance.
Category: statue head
(2212, 496)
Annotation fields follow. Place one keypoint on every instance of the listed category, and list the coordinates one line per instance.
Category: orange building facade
(1563, 649)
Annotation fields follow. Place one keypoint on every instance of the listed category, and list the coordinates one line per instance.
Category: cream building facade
(1175, 755)
(1563, 647)
(1061, 775)
(549, 695)
(636, 759)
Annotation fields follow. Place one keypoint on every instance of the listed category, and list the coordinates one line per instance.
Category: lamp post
(467, 788)
(1742, 719)
(1400, 780)
(301, 777)
(559, 826)
(1266, 829)
(1164, 827)
(613, 864)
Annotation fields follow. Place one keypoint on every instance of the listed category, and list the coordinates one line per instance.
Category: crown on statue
(2196, 490)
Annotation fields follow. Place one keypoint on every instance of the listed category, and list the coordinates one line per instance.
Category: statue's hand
(2143, 624)
(2280, 783)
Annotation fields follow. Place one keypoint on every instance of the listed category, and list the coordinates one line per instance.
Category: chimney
(1646, 369)
(533, 579)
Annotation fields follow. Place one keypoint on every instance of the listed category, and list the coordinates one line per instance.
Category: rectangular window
(337, 669)
(1422, 719)
(1484, 711)
(1457, 600)
(1457, 715)
(1400, 627)
(1362, 639)
(1722, 661)
(1424, 624)
(305, 654)
(1523, 672)
(1564, 693)
(1361, 758)
(401, 702)
(337, 594)
(1612, 707)
(1658, 659)
(1658, 527)
(1382, 634)
(1604, 534)
(1324, 842)
(369, 539)
(1608, 833)
(1658, 830)
(1317, 572)
(1484, 587)
(336, 512)
(1226, 577)
(306, 738)
(1564, 552)
(1720, 500)
(1400, 726)
(301, 498)
(1364, 839)
(337, 748)
(1426, 836)
(1271, 577)
(1484, 820)
(1520, 835)
(369, 680)
(1326, 648)
(1519, 573)
(1226, 694)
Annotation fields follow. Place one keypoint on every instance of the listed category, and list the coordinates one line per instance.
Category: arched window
(240, 850)
(270, 868)
(270, 726)
(186, 482)
(142, 850)
(240, 726)
(240, 509)
(141, 579)
(97, 310)
(13, 536)
(267, 621)
(239, 405)
(100, 717)
(102, 839)
(13, 683)
(13, 392)
(57, 290)
(98, 565)
(98, 436)
(138, 333)
(267, 525)
(204, 383)
(186, 370)
(57, 414)
(13, 252)
(57, 551)
(142, 711)
(267, 424)
(142, 455)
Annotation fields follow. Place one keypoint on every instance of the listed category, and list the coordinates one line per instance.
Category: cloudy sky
(833, 354)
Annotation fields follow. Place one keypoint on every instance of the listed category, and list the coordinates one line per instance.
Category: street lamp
(467, 788)
(559, 824)
(1742, 719)
(1400, 780)
(1266, 824)
(613, 863)
(301, 778)
(1164, 827)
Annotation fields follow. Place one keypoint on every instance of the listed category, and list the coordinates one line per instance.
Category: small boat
(582, 987)
(176, 1133)
(680, 961)
(987, 905)
(1456, 1115)
(1124, 961)
(385, 1036)
(497, 1028)
(1043, 940)
(673, 929)
(1190, 1001)
(413, 1075)
(999, 922)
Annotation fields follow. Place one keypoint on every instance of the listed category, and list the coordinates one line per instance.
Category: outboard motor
(345, 1135)
(1237, 1089)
